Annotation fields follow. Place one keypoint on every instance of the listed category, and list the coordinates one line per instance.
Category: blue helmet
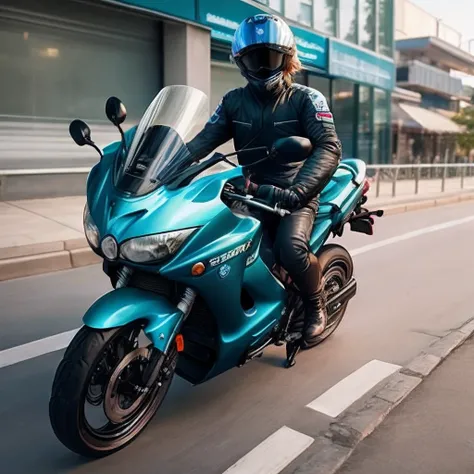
(261, 45)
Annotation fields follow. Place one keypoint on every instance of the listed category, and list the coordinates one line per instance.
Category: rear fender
(125, 305)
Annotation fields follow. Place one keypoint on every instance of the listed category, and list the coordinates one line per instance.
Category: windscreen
(158, 151)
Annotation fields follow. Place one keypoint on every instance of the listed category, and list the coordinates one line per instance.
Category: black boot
(316, 316)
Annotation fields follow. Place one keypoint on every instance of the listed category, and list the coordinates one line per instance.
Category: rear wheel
(102, 376)
(337, 267)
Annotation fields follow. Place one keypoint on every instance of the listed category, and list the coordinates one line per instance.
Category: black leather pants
(291, 249)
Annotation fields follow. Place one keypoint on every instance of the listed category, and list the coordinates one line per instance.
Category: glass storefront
(382, 127)
(344, 111)
(364, 128)
(348, 20)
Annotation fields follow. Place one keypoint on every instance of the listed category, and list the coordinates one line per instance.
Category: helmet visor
(262, 62)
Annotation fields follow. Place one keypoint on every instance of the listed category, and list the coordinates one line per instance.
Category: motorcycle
(196, 291)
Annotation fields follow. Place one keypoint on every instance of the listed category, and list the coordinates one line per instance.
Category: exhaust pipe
(347, 292)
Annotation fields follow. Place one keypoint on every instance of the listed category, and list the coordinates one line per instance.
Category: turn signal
(366, 187)
(180, 343)
(198, 269)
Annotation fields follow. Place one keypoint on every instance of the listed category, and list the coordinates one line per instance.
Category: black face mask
(262, 63)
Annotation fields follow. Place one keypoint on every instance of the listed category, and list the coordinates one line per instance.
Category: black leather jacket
(253, 120)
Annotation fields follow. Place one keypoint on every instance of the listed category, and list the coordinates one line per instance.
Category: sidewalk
(44, 235)
(431, 432)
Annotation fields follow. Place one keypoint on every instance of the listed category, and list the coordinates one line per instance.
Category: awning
(412, 116)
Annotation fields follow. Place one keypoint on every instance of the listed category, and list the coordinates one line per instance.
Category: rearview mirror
(115, 111)
(291, 148)
(80, 132)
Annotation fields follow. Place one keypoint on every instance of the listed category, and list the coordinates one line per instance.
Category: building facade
(61, 59)
(427, 53)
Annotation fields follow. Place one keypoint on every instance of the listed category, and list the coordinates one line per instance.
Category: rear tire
(337, 268)
(72, 388)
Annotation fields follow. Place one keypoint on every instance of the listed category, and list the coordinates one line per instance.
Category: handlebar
(250, 201)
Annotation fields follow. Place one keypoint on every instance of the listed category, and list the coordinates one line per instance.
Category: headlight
(90, 229)
(154, 247)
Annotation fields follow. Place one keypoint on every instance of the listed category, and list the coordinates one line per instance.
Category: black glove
(285, 198)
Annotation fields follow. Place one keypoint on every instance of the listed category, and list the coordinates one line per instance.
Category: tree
(466, 118)
(331, 18)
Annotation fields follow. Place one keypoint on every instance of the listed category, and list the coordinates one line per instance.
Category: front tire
(111, 361)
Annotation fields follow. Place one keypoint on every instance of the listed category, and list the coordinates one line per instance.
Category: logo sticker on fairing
(213, 262)
(224, 271)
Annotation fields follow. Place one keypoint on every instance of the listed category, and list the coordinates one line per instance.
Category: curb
(47, 257)
(36, 259)
(332, 449)
(423, 204)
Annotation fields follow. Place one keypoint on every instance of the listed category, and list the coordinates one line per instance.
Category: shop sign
(224, 17)
(180, 8)
(360, 66)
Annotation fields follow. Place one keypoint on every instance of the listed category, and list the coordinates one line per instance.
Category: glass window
(300, 11)
(382, 127)
(343, 109)
(367, 23)
(365, 132)
(276, 5)
(322, 84)
(324, 16)
(386, 27)
(348, 20)
(61, 74)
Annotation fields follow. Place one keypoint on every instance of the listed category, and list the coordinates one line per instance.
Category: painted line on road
(274, 454)
(36, 348)
(410, 235)
(342, 395)
(60, 341)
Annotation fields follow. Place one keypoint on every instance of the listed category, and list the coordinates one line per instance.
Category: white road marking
(410, 235)
(342, 395)
(274, 454)
(60, 341)
(36, 348)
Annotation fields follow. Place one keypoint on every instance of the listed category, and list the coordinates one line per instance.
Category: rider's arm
(318, 168)
(216, 132)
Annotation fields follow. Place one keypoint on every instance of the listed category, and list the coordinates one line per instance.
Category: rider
(270, 107)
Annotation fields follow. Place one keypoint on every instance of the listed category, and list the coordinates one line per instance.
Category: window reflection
(300, 11)
(324, 16)
(386, 27)
(348, 20)
(382, 126)
(343, 109)
(367, 23)
(365, 132)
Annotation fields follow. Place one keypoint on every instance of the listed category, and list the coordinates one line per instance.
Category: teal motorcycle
(196, 289)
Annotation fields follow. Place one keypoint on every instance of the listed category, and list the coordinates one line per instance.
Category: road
(415, 283)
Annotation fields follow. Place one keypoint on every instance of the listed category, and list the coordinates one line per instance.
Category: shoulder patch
(319, 101)
(217, 113)
(325, 117)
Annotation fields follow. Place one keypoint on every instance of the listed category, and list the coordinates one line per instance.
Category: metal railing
(418, 172)
(56, 181)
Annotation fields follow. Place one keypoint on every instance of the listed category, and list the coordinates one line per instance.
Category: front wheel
(98, 403)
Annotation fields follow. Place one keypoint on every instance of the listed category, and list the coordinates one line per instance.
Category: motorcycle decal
(213, 262)
(224, 271)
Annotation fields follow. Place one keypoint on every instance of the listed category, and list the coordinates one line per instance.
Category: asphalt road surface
(414, 284)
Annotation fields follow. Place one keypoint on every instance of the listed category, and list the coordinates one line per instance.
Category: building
(61, 59)
(427, 52)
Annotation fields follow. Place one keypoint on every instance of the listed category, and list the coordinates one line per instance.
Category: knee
(292, 253)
